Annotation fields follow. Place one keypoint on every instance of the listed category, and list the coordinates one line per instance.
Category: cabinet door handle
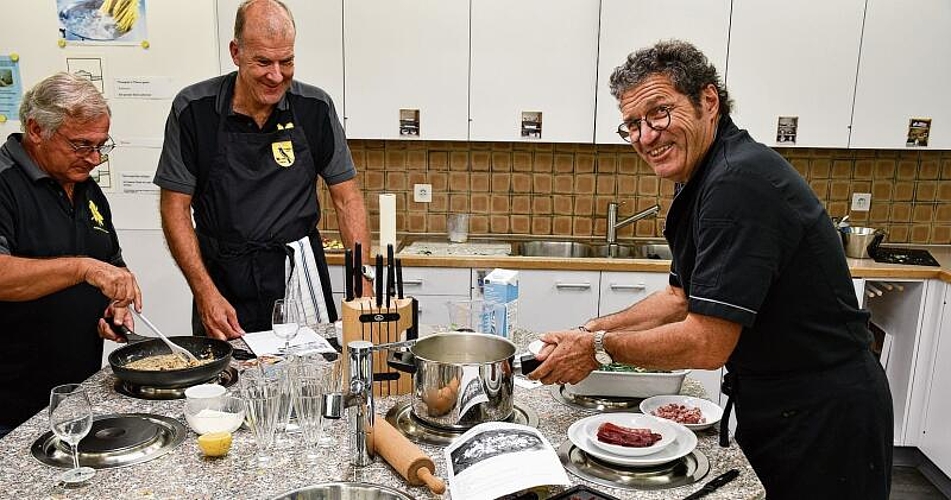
(624, 286)
(580, 286)
(416, 282)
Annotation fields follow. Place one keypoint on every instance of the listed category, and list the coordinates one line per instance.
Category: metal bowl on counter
(343, 491)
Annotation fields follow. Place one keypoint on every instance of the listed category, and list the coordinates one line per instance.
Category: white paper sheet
(307, 340)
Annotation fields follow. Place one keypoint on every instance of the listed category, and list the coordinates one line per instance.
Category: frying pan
(142, 347)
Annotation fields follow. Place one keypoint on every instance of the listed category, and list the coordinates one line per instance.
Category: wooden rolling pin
(405, 457)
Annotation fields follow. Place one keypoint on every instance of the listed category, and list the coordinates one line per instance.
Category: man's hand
(115, 315)
(218, 316)
(117, 283)
(568, 357)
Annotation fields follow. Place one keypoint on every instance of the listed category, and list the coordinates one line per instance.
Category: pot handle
(129, 336)
(872, 247)
(403, 361)
(528, 363)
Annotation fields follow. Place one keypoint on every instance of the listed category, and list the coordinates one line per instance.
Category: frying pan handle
(872, 247)
(129, 336)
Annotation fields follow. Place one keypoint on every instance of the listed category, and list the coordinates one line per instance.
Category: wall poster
(115, 22)
(10, 88)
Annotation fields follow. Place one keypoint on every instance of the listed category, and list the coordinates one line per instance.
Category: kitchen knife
(379, 280)
(357, 276)
(390, 275)
(715, 483)
(399, 278)
(348, 277)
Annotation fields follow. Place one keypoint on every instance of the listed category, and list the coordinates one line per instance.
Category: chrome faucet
(614, 224)
(359, 399)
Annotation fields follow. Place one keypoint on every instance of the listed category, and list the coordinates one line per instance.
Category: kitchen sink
(344, 491)
(542, 248)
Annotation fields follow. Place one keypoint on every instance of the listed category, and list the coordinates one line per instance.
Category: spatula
(176, 349)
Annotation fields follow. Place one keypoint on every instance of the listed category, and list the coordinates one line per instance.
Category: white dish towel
(303, 283)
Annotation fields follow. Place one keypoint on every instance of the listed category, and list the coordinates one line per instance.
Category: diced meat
(626, 436)
(680, 413)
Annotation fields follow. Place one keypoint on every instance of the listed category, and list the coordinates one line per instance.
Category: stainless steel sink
(344, 491)
(554, 249)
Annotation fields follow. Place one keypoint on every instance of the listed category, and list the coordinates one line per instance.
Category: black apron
(256, 205)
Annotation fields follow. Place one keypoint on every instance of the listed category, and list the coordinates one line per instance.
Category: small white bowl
(633, 421)
(222, 414)
(710, 411)
(205, 391)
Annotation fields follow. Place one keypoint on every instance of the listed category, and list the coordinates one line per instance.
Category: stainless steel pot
(861, 242)
(460, 379)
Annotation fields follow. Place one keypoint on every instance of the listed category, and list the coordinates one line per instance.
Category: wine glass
(70, 419)
(285, 321)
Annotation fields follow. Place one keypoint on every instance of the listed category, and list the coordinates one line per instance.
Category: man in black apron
(758, 282)
(244, 150)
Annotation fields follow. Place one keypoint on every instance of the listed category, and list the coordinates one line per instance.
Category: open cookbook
(495, 459)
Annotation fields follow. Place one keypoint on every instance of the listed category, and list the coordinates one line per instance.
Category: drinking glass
(261, 393)
(70, 419)
(308, 405)
(285, 321)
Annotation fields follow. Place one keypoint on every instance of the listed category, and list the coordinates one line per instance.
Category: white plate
(536, 347)
(712, 413)
(682, 446)
(634, 421)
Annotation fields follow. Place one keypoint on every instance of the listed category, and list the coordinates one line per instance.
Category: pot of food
(861, 242)
(461, 379)
(147, 361)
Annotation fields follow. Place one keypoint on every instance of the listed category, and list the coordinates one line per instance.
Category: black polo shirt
(753, 244)
(192, 145)
(51, 340)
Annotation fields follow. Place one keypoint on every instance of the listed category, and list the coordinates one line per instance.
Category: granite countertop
(186, 474)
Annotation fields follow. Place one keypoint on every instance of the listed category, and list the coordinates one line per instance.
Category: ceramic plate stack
(680, 440)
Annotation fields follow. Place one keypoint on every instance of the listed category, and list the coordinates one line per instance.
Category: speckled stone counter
(185, 474)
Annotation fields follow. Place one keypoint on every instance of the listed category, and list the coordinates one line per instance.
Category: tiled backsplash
(564, 189)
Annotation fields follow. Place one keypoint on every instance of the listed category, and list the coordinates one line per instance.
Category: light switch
(422, 193)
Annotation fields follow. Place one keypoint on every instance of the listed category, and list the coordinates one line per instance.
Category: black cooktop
(910, 256)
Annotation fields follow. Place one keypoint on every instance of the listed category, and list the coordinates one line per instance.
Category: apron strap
(728, 387)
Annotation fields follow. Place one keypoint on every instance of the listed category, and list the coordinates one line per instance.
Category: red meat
(626, 436)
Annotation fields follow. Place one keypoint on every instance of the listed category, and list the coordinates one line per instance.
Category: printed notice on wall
(143, 87)
(102, 175)
(114, 22)
(89, 68)
(10, 88)
(137, 183)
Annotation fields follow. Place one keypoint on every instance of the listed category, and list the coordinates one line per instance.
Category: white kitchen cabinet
(619, 290)
(903, 74)
(795, 60)
(935, 440)
(628, 25)
(318, 49)
(523, 60)
(409, 55)
(556, 300)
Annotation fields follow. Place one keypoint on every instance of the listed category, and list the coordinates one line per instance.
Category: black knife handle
(348, 277)
(357, 276)
(399, 278)
(378, 280)
(714, 484)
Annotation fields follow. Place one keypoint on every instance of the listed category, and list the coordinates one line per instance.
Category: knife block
(363, 320)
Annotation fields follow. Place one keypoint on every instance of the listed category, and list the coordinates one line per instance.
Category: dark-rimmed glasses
(657, 119)
(85, 150)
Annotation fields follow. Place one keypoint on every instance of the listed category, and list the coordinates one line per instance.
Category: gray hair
(58, 97)
(273, 26)
(683, 63)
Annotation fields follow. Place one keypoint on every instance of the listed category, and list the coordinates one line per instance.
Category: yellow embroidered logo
(283, 153)
(288, 126)
(97, 217)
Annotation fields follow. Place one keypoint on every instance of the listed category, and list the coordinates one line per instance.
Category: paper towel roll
(387, 221)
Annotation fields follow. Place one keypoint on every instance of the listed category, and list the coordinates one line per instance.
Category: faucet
(614, 224)
(359, 399)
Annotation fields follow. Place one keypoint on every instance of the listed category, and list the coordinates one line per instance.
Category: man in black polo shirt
(61, 268)
(244, 150)
(758, 282)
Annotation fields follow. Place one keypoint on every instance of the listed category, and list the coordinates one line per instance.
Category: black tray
(582, 492)
(909, 256)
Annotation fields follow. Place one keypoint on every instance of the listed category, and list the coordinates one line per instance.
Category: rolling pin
(405, 457)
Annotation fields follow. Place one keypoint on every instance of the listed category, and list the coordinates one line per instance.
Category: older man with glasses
(61, 268)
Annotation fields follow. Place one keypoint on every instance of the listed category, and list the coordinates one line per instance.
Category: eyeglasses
(86, 150)
(657, 119)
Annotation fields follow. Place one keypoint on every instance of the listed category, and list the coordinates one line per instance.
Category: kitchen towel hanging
(303, 281)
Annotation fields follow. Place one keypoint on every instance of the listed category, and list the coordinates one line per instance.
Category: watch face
(603, 358)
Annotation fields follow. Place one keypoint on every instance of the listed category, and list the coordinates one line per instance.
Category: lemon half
(215, 444)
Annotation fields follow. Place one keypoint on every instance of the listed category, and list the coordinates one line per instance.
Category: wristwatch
(368, 272)
(600, 355)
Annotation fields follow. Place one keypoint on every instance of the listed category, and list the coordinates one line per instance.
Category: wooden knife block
(388, 326)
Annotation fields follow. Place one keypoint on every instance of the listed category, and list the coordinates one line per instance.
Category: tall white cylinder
(387, 221)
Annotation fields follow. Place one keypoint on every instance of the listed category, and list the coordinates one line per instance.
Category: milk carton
(500, 309)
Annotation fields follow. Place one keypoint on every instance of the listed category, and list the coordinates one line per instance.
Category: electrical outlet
(423, 193)
(861, 202)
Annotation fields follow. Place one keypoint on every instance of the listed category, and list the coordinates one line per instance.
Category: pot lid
(115, 440)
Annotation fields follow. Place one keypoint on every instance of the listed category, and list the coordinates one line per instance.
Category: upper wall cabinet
(407, 67)
(628, 25)
(903, 76)
(318, 50)
(792, 67)
(532, 79)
